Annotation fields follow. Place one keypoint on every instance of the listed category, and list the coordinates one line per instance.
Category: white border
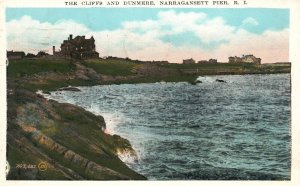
(293, 5)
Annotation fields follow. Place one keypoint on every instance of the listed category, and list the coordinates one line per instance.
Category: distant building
(42, 54)
(234, 59)
(208, 61)
(15, 54)
(188, 61)
(213, 61)
(78, 48)
(251, 59)
(245, 59)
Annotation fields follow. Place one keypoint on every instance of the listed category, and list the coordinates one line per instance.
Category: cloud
(145, 39)
(270, 46)
(214, 30)
(250, 21)
(31, 35)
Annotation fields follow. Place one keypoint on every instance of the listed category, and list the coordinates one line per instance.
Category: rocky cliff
(67, 139)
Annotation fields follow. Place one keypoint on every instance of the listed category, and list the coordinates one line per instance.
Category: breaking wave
(234, 130)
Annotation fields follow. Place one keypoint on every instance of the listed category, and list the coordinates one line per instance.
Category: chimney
(71, 37)
(53, 48)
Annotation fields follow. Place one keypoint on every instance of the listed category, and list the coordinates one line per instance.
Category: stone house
(78, 48)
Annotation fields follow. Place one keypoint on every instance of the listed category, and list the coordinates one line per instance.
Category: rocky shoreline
(68, 139)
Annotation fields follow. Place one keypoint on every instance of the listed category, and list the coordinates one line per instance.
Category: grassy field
(119, 67)
(113, 67)
(130, 71)
(27, 67)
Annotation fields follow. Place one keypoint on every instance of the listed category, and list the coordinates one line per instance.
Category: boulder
(60, 149)
(79, 160)
(69, 89)
(220, 80)
(69, 155)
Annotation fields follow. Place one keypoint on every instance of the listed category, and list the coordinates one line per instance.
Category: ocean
(234, 130)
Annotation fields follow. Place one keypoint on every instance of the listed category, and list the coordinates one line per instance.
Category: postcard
(150, 92)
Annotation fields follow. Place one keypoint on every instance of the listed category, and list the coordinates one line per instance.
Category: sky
(155, 34)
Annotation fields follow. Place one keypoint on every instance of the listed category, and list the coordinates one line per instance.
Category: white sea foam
(111, 119)
(205, 79)
(127, 156)
(46, 96)
(40, 92)
(212, 79)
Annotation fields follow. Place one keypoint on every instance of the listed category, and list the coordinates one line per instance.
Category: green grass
(111, 67)
(27, 67)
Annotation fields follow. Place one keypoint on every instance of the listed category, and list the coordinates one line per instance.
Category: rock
(81, 75)
(37, 135)
(69, 89)
(46, 92)
(69, 155)
(198, 81)
(92, 74)
(40, 121)
(60, 149)
(220, 80)
(85, 73)
(79, 160)
(22, 174)
(100, 171)
(48, 142)
(84, 162)
(127, 155)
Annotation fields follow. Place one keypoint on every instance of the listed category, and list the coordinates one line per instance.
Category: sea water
(233, 130)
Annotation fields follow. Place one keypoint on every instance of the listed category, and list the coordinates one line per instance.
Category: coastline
(52, 74)
(125, 102)
(68, 138)
(126, 154)
(57, 132)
